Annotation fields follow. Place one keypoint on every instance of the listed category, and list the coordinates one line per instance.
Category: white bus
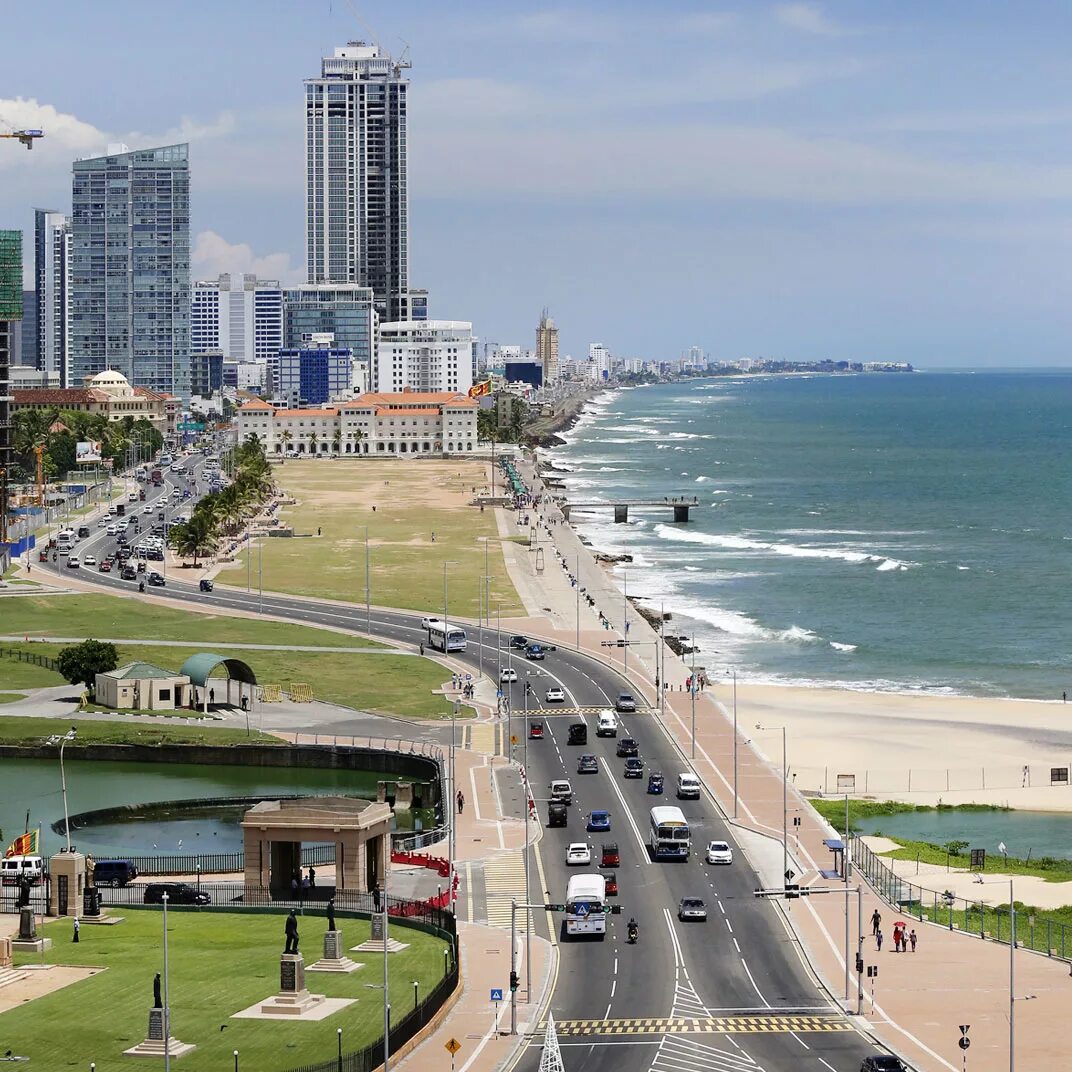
(586, 898)
(669, 834)
(444, 637)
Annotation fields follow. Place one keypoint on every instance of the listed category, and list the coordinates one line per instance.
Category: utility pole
(692, 690)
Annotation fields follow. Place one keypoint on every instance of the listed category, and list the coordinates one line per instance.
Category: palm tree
(313, 439)
(358, 436)
(285, 437)
(336, 439)
(196, 537)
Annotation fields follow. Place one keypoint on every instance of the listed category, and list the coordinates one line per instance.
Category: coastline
(905, 745)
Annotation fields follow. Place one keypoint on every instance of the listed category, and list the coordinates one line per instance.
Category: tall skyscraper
(355, 156)
(52, 277)
(239, 315)
(130, 267)
(547, 348)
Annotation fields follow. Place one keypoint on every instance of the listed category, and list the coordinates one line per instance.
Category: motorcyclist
(632, 929)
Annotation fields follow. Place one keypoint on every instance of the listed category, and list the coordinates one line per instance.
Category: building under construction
(10, 312)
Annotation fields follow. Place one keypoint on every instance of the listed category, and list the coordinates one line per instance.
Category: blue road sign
(496, 993)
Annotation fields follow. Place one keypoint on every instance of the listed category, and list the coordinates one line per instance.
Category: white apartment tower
(355, 157)
(52, 278)
(424, 355)
(238, 315)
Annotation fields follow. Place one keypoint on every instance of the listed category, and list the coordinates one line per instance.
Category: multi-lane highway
(729, 995)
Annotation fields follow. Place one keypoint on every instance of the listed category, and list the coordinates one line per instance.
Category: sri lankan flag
(478, 390)
(25, 844)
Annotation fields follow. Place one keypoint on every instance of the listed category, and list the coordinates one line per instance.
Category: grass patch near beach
(413, 500)
(1048, 868)
(833, 809)
(17, 729)
(219, 963)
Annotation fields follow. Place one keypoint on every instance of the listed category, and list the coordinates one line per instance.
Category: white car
(578, 854)
(718, 852)
(113, 530)
(103, 523)
(148, 508)
(508, 673)
(72, 562)
(89, 560)
(555, 694)
(132, 496)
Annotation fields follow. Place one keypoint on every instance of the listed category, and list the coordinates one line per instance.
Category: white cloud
(808, 18)
(213, 255)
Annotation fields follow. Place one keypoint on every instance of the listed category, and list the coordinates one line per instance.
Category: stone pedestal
(67, 871)
(28, 941)
(5, 952)
(333, 959)
(154, 1046)
(91, 903)
(293, 999)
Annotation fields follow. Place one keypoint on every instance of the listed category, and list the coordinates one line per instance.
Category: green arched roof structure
(198, 668)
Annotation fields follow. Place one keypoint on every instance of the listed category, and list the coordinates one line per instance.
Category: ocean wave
(842, 647)
(875, 535)
(741, 543)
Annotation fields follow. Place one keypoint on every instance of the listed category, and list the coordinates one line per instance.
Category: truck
(157, 478)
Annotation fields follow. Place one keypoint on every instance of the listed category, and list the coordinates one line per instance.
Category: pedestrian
(433, 537)
(422, 647)
(1064, 697)
(912, 938)
(312, 877)
(897, 932)
(77, 928)
(211, 696)
(294, 885)
(305, 884)
(878, 940)
(461, 802)
(318, 530)
(876, 921)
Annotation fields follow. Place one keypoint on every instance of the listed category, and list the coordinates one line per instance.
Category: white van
(607, 725)
(13, 866)
(688, 787)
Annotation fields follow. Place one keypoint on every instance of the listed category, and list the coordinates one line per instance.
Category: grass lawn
(114, 616)
(413, 500)
(11, 697)
(388, 684)
(219, 964)
(16, 729)
(16, 675)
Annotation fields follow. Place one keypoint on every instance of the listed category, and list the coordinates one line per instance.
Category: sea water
(908, 531)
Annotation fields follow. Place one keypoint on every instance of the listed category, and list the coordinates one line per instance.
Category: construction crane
(25, 136)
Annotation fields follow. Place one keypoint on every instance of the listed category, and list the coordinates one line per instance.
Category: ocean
(886, 532)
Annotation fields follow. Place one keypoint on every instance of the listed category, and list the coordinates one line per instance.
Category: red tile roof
(254, 403)
(386, 411)
(59, 396)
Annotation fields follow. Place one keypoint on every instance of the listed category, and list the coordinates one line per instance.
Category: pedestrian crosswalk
(504, 879)
(763, 1023)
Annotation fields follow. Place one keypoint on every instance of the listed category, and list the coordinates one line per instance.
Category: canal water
(1040, 833)
(34, 785)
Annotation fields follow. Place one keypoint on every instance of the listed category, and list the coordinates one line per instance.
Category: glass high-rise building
(10, 316)
(356, 196)
(343, 311)
(130, 267)
(52, 276)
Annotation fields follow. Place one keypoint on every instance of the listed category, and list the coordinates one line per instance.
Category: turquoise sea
(878, 532)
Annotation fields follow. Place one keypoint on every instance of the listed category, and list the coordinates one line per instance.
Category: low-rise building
(429, 423)
(142, 686)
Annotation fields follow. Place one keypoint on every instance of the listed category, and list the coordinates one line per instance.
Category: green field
(386, 684)
(11, 697)
(413, 500)
(18, 729)
(219, 964)
(116, 616)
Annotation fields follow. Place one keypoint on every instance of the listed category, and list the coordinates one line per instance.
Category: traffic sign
(452, 1046)
(965, 1042)
(965, 1028)
(789, 875)
(496, 993)
(468, 677)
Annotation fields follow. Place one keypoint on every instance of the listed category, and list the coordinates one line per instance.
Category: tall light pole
(368, 587)
(1012, 967)
(452, 830)
(625, 622)
(525, 818)
(785, 801)
(167, 1004)
(692, 690)
(62, 741)
(735, 743)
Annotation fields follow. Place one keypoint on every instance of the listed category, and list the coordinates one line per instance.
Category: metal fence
(215, 862)
(1056, 774)
(958, 913)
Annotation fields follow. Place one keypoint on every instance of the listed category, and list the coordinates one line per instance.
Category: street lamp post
(368, 587)
(692, 690)
(785, 801)
(1012, 970)
(62, 741)
(735, 743)
(167, 1003)
(338, 1035)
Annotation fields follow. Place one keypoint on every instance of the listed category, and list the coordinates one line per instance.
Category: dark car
(83, 531)
(181, 893)
(519, 642)
(634, 768)
(155, 580)
(610, 857)
(205, 585)
(578, 734)
(628, 746)
(883, 1062)
(625, 702)
(557, 814)
(535, 731)
(534, 651)
(114, 872)
(128, 573)
(611, 879)
(655, 783)
(154, 555)
(588, 764)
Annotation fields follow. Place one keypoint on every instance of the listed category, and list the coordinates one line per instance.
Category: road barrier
(300, 692)
(271, 694)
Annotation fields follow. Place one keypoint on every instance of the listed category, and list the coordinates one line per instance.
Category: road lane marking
(770, 1023)
(744, 964)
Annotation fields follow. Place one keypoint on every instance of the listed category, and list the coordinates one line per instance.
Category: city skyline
(811, 181)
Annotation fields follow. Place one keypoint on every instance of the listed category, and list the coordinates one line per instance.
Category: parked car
(588, 764)
(625, 702)
(628, 746)
(557, 814)
(535, 731)
(599, 821)
(655, 783)
(508, 674)
(578, 854)
(719, 852)
(181, 893)
(609, 856)
(692, 909)
(578, 734)
(555, 694)
(114, 872)
(634, 768)
(519, 642)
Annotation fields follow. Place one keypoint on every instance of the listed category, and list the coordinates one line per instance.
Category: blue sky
(798, 180)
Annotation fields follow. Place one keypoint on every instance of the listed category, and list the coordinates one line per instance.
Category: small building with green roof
(141, 686)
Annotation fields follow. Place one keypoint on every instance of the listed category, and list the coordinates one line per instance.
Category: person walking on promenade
(461, 802)
(912, 938)
(878, 940)
(876, 921)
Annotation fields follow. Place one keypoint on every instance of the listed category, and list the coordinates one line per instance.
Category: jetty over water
(680, 504)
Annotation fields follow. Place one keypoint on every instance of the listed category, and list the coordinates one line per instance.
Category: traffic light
(513, 981)
(792, 889)
(554, 908)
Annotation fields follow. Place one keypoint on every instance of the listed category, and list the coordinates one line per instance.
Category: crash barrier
(421, 859)
(300, 692)
(271, 694)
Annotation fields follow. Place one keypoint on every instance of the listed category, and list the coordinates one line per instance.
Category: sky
(798, 180)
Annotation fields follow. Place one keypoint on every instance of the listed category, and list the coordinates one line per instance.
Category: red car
(611, 857)
(612, 883)
(535, 731)
(104, 566)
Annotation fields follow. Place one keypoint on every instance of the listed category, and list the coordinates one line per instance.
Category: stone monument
(67, 871)
(28, 940)
(333, 959)
(293, 998)
(154, 1044)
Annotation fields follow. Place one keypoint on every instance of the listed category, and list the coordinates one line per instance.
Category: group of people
(902, 936)
(300, 882)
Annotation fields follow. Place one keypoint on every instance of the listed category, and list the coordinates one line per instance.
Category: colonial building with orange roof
(380, 424)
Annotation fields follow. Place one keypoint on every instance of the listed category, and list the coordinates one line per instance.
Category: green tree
(196, 537)
(336, 440)
(81, 663)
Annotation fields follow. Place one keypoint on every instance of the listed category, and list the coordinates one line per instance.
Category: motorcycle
(634, 933)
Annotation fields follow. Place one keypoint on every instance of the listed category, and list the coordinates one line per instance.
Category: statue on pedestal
(23, 883)
(291, 931)
(91, 866)
(331, 914)
(157, 1000)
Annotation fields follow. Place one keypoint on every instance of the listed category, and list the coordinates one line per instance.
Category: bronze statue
(331, 914)
(291, 931)
(157, 1002)
(91, 866)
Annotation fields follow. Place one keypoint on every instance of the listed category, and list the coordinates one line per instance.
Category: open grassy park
(16, 729)
(412, 500)
(219, 964)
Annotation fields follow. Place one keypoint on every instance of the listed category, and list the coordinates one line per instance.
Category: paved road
(728, 995)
